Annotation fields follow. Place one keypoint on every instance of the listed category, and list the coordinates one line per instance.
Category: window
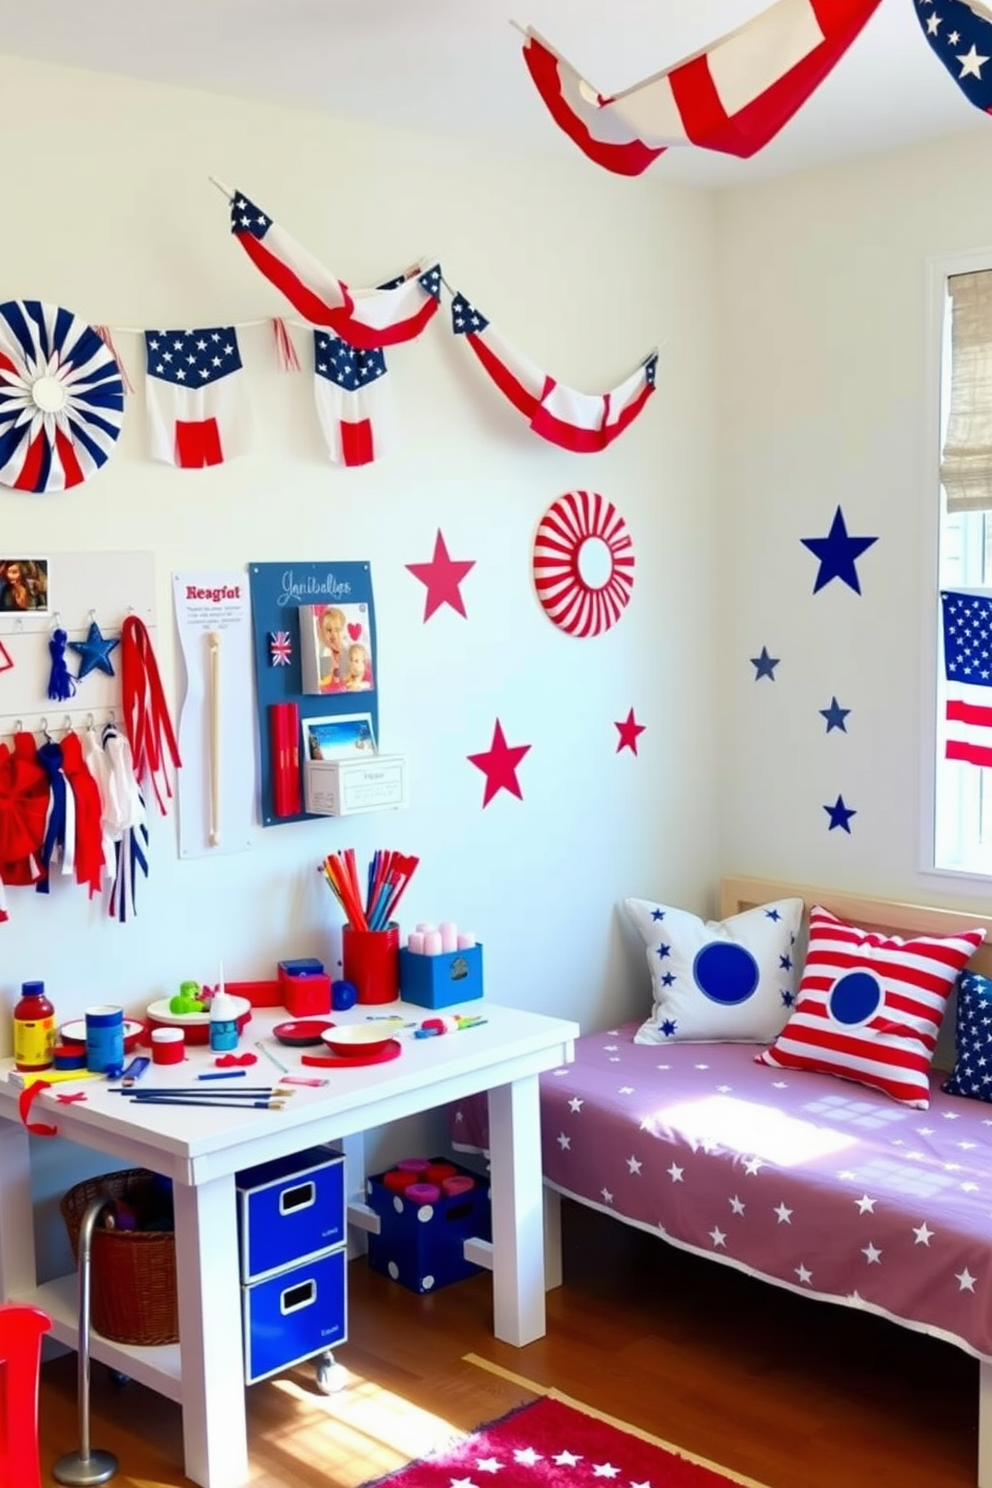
(962, 837)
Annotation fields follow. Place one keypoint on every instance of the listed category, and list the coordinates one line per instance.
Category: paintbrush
(211, 1105)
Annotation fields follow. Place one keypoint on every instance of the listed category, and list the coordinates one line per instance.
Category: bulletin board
(79, 588)
(278, 590)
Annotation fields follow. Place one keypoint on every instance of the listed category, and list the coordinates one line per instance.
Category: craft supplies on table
(104, 1038)
(34, 1028)
(370, 959)
(437, 981)
(168, 1045)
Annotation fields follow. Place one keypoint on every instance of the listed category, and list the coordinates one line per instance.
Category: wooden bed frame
(893, 918)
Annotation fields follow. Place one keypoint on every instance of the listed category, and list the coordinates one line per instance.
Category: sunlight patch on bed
(726, 1123)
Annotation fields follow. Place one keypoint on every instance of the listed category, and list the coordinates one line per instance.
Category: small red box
(303, 996)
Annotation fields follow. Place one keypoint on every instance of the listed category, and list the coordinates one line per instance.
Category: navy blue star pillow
(731, 981)
(972, 1073)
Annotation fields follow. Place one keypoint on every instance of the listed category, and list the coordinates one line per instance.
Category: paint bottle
(34, 1028)
(223, 1023)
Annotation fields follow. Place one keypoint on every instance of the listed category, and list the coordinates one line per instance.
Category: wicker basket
(133, 1272)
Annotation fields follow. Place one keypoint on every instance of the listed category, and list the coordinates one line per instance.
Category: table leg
(17, 1273)
(215, 1434)
(518, 1211)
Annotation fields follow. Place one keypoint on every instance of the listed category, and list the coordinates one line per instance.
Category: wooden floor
(795, 1393)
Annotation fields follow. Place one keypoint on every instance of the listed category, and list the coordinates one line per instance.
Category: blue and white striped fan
(61, 398)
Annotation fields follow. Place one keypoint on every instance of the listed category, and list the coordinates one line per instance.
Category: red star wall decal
(499, 765)
(629, 730)
(443, 577)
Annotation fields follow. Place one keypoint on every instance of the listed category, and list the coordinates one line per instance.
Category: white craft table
(201, 1151)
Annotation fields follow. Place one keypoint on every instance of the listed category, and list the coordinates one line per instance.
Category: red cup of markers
(371, 961)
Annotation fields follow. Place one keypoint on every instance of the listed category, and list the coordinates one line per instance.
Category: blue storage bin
(290, 1209)
(422, 1245)
(441, 981)
(299, 1312)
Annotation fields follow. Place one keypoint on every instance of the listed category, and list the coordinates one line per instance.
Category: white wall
(107, 210)
(824, 401)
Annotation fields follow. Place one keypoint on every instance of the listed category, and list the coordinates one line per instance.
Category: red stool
(20, 1358)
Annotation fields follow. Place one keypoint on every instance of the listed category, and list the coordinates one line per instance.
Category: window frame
(939, 270)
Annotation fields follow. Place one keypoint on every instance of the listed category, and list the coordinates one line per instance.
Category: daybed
(807, 1180)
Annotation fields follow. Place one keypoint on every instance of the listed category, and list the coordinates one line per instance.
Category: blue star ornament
(95, 652)
(764, 665)
(838, 553)
(835, 716)
(840, 815)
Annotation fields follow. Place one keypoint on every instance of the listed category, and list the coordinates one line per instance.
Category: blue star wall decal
(764, 665)
(840, 815)
(838, 554)
(835, 716)
(95, 652)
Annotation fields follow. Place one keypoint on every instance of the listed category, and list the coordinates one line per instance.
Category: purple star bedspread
(804, 1180)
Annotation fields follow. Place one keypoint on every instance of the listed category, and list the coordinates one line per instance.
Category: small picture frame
(344, 736)
(24, 586)
(336, 648)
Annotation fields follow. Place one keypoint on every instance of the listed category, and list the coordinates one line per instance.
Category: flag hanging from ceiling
(198, 408)
(581, 422)
(733, 96)
(961, 36)
(968, 673)
(365, 318)
(352, 399)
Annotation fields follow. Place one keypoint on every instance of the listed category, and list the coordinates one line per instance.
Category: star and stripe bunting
(734, 96)
(61, 398)
(960, 35)
(366, 318)
(581, 422)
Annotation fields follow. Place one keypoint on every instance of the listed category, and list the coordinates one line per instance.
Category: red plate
(390, 1050)
(302, 1034)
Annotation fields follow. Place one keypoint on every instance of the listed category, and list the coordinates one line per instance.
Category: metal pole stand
(85, 1468)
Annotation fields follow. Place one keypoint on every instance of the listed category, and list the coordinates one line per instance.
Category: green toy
(188, 999)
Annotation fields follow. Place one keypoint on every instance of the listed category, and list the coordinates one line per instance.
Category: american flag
(280, 647)
(366, 318)
(350, 399)
(961, 36)
(734, 96)
(198, 409)
(581, 422)
(968, 670)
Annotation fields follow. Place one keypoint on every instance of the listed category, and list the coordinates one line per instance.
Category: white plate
(159, 1013)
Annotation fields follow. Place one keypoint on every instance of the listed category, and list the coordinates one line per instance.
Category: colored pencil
(386, 879)
(229, 1105)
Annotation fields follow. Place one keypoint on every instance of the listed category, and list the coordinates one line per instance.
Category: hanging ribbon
(146, 714)
(285, 350)
(25, 1100)
(61, 684)
(125, 820)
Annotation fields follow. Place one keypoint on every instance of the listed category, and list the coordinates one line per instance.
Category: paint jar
(168, 1046)
(105, 1038)
(34, 1028)
(371, 961)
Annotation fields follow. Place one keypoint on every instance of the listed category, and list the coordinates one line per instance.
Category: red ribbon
(146, 713)
(25, 1100)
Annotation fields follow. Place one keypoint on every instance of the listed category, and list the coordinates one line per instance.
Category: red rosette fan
(61, 398)
(583, 563)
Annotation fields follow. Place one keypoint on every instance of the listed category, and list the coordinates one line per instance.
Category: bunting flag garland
(581, 422)
(733, 96)
(61, 398)
(960, 34)
(366, 318)
(198, 408)
(352, 399)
